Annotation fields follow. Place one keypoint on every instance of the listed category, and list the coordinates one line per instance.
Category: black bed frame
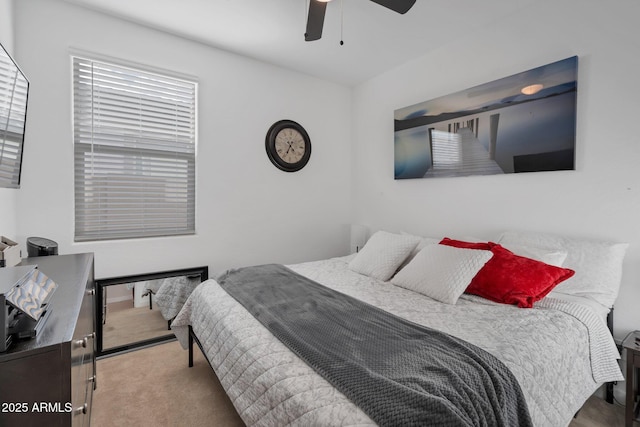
(609, 385)
(193, 337)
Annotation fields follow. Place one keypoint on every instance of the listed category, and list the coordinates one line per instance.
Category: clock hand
(290, 146)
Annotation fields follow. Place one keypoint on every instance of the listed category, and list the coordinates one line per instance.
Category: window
(447, 150)
(134, 147)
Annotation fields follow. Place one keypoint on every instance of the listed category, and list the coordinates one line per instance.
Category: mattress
(559, 351)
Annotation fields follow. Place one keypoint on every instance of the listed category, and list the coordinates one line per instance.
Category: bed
(559, 350)
(172, 292)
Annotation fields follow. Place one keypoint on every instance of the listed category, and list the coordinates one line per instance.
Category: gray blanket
(398, 372)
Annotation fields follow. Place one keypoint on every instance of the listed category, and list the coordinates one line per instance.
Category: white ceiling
(375, 38)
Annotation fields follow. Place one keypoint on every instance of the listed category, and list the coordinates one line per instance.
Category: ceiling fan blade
(315, 21)
(400, 6)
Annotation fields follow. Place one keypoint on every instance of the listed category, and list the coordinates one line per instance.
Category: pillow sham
(441, 272)
(597, 263)
(422, 242)
(383, 253)
(512, 279)
(546, 255)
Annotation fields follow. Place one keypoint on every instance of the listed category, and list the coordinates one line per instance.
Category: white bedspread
(560, 352)
(171, 293)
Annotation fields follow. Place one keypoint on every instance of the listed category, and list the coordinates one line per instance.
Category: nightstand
(632, 345)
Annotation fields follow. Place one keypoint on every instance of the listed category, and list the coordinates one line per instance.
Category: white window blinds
(13, 109)
(446, 150)
(134, 139)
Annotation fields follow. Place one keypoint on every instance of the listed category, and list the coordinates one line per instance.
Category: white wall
(8, 196)
(248, 211)
(601, 199)
(6, 25)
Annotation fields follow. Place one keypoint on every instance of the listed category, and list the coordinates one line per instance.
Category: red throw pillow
(465, 245)
(512, 279)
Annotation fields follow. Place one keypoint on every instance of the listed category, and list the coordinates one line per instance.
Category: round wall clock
(288, 145)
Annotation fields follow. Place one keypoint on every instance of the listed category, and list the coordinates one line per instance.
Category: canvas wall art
(522, 123)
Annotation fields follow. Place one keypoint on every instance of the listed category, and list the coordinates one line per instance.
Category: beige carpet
(126, 325)
(598, 413)
(154, 387)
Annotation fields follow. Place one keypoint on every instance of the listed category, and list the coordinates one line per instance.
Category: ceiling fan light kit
(317, 9)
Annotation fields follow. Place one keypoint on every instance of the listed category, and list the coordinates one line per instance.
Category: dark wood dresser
(49, 380)
(632, 409)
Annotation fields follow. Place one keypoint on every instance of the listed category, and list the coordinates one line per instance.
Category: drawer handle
(81, 343)
(80, 410)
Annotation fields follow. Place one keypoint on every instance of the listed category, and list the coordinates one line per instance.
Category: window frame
(144, 154)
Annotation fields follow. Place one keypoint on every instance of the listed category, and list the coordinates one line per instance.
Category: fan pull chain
(341, 22)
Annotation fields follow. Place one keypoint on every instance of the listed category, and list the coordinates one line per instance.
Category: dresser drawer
(83, 350)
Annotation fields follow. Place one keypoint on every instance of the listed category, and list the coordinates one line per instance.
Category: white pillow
(548, 256)
(441, 272)
(383, 253)
(598, 264)
(423, 241)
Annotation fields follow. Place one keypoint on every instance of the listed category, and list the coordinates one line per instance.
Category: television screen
(14, 89)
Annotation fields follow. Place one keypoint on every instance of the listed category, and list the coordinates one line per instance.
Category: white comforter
(560, 352)
(171, 294)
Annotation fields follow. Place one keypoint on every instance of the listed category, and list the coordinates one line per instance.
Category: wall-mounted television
(14, 90)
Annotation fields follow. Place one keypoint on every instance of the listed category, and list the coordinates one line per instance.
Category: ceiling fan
(317, 9)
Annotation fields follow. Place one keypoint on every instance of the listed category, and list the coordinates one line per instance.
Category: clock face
(288, 145)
